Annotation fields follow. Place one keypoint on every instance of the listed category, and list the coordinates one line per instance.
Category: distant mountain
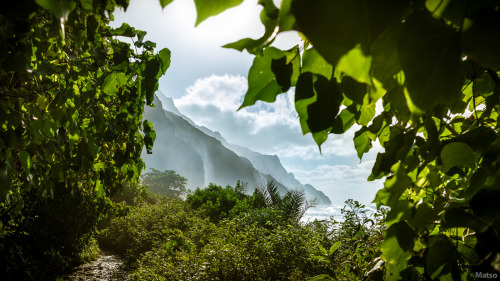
(203, 156)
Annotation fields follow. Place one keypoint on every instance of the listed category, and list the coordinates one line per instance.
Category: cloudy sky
(208, 83)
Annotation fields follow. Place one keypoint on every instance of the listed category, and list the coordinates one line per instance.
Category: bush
(146, 226)
(239, 249)
(354, 243)
(217, 203)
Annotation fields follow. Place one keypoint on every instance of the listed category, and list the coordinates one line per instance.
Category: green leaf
(430, 55)
(206, 9)
(393, 187)
(396, 99)
(25, 159)
(321, 114)
(392, 251)
(317, 102)
(336, 27)
(269, 18)
(60, 8)
(164, 56)
(482, 40)
(113, 82)
(385, 62)
(98, 189)
(345, 120)
(356, 64)
(262, 84)
(87, 4)
(334, 247)
(422, 215)
(396, 149)
(164, 3)
(362, 142)
(441, 256)
(313, 62)
(367, 114)
(124, 30)
(354, 90)
(92, 27)
(457, 154)
(286, 19)
(283, 72)
(149, 136)
(456, 217)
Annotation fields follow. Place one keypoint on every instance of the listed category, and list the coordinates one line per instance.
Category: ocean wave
(330, 212)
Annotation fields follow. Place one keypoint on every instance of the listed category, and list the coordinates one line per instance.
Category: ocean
(326, 212)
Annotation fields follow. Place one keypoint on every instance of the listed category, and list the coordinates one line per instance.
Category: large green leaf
(113, 82)
(430, 55)
(124, 30)
(457, 154)
(317, 102)
(164, 56)
(456, 217)
(482, 40)
(337, 26)
(334, 247)
(286, 19)
(392, 251)
(441, 256)
(353, 89)
(262, 84)
(60, 8)
(208, 8)
(313, 62)
(385, 63)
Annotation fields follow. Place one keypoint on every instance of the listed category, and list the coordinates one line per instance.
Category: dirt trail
(106, 267)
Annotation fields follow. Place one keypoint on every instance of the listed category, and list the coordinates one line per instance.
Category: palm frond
(273, 197)
(292, 203)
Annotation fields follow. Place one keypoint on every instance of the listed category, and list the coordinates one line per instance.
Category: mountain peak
(203, 156)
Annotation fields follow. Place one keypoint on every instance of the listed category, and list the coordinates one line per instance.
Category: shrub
(354, 243)
(217, 202)
(238, 250)
(145, 226)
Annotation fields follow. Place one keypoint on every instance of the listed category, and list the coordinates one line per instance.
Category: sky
(208, 83)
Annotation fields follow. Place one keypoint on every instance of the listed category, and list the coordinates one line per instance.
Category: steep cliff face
(204, 156)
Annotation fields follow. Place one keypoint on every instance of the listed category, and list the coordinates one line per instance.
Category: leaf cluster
(71, 130)
(433, 66)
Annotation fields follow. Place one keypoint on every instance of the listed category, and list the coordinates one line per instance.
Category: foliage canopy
(166, 182)
(433, 65)
(68, 107)
(71, 130)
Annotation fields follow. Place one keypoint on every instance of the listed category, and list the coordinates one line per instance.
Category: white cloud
(223, 92)
(274, 128)
(271, 128)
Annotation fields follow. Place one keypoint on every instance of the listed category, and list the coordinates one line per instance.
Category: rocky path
(106, 267)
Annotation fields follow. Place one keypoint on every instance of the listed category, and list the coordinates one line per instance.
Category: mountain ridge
(204, 156)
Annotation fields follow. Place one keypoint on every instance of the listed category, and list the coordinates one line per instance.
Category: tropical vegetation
(71, 134)
(218, 234)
